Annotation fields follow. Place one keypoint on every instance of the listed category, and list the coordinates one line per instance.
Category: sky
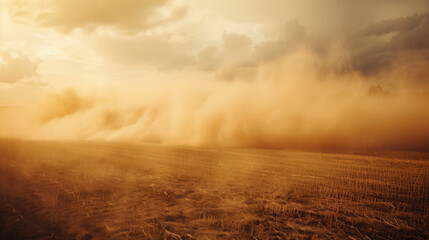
(243, 73)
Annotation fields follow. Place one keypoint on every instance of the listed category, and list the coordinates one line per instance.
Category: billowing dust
(302, 99)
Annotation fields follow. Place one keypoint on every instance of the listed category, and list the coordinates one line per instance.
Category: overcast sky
(57, 43)
(271, 73)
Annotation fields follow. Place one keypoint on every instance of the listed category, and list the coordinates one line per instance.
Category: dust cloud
(302, 99)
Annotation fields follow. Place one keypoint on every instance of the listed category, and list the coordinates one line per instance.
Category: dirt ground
(93, 190)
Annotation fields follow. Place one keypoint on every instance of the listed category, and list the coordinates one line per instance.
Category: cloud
(403, 24)
(15, 66)
(375, 51)
(415, 38)
(66, 16)
(235, 57)
(229, 57)
(373, 34)
(369, 48)
(291, 36)
(329, 17)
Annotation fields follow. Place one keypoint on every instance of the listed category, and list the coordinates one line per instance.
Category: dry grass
(89, 190)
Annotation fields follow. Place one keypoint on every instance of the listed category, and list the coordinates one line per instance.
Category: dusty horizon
(179, 72)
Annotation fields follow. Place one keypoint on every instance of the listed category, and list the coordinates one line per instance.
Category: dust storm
(301, 100)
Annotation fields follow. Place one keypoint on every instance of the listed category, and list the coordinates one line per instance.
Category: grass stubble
(94, 190)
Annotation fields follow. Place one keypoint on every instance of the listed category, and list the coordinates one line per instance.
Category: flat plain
(95, 190)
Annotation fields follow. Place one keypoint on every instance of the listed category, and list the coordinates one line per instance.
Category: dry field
(91, 190)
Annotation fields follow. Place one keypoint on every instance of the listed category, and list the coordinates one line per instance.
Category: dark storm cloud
(371, 48)
(403, 24)
(376, 46)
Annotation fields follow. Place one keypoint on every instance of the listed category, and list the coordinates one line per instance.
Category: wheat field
(95, 190)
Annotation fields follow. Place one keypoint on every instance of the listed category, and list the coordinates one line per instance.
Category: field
(94, 190)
